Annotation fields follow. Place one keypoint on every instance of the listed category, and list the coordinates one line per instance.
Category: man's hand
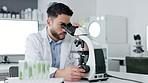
(72, 73)
(76, 24)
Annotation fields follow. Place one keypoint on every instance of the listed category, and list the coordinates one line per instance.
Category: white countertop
(137, 77)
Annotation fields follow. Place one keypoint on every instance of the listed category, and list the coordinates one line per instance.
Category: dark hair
(56, 9)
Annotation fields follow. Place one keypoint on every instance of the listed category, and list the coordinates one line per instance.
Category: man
(54, 44)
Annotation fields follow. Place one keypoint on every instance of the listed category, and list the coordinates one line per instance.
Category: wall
(134, 10)
(82, 8)
(76, 5)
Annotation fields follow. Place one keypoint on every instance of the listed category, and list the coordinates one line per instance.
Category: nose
(63, 30)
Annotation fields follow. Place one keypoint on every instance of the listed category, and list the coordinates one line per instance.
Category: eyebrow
(62, 22)
(65, 23)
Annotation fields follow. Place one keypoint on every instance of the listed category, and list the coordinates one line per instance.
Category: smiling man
(54, 44)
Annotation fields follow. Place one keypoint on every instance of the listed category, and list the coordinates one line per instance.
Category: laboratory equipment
(91, 53)
(138, 50)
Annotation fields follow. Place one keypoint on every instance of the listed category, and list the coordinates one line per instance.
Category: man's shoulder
(39, 34)
(34, 36)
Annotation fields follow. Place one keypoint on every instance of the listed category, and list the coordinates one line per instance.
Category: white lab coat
(38, 48)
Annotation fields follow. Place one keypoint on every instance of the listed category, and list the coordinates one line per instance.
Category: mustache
(63, 33)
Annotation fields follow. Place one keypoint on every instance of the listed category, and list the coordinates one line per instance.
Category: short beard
(56, 35)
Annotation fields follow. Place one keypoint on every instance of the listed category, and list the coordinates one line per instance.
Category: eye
(63, 24)
(69, 24)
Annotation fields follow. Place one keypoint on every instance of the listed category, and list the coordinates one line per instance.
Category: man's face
(56, 31)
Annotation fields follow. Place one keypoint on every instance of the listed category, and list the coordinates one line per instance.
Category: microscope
(91, 55)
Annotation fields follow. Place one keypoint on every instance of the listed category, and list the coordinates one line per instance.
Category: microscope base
(96, 80)
(97, 77)
(104, 79)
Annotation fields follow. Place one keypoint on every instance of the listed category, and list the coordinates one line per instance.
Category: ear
(49, 22)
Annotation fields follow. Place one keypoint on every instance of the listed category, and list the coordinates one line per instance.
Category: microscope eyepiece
(69, 28)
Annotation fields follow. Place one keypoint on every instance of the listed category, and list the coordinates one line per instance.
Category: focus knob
(86, 68)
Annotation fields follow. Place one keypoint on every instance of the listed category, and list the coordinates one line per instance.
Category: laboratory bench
(119, 77)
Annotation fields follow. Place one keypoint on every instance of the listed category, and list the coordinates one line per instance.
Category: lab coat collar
(46, 43)
(44, 33)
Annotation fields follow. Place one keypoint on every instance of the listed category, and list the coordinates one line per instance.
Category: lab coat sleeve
(33, 51)
(33, 48)
(52, 71)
